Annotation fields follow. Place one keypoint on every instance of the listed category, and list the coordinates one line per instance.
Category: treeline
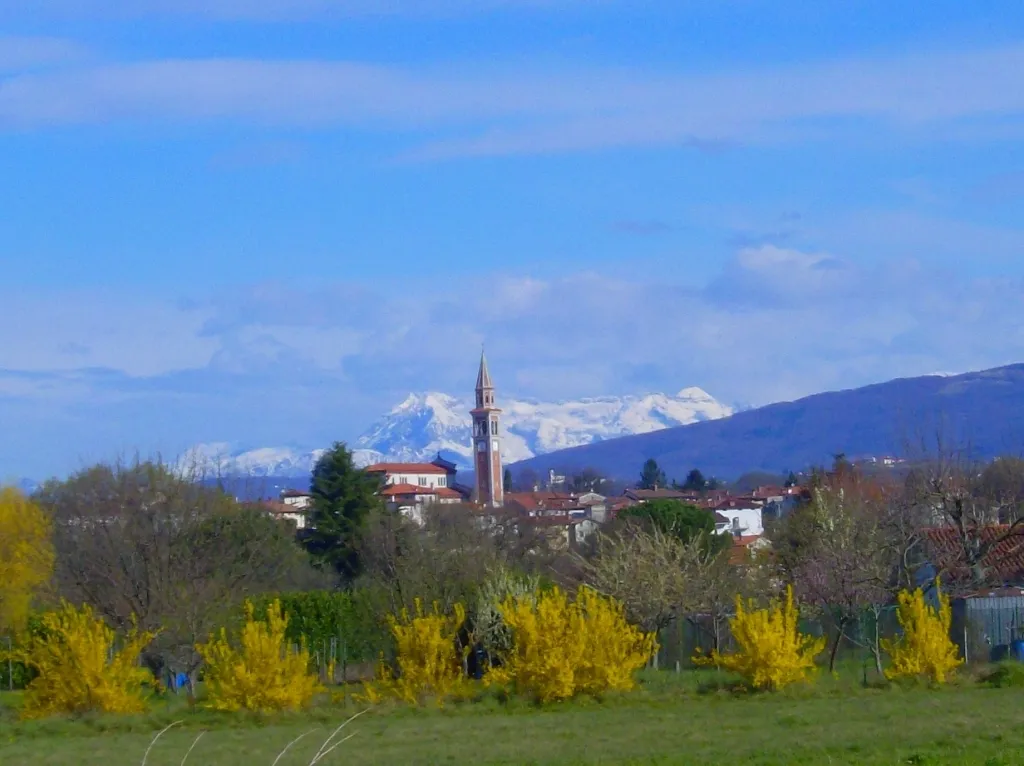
(145, 546)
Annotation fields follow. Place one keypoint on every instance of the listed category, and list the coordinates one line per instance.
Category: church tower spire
(486, 440)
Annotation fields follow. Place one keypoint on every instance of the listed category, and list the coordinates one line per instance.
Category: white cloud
(470, 109)
(136, 334)
(140, 373)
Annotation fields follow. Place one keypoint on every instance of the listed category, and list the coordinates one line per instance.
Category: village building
(409, 488)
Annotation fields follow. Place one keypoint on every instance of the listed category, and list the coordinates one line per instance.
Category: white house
(410, 487)
(412, 499)
(427, 475)
(287, 512)
(739, 516)
(296, 498)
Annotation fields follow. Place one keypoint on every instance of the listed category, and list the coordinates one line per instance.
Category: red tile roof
(548, 500)
(277, 507)
(737, 503)
(657, 494)
(416, 468)
(393, 490)
(1004, 562)
(762, 493)
(745, 541)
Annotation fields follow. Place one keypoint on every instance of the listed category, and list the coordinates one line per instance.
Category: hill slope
(982, 410)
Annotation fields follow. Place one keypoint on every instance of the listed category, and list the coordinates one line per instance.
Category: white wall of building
(431, 480)
(745, 521)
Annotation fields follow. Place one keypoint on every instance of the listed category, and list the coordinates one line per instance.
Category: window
(481, 446)
(494, 426)
(443, 481)
(423, 481)
(494, 445)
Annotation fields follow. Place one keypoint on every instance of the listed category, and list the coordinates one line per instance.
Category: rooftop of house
(530, 501)
(405, 490)
(277, 507)
(660, 493)
(414, 468)
(737, 504)
(1004, 561)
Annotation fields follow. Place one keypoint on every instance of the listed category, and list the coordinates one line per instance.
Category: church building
(486, 441)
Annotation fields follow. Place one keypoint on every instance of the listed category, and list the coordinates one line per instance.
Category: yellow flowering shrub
(772, 653)
(26, 557)
(263, 673)
(428, 661)
(925, 648)
(78, 669)
(562, 648)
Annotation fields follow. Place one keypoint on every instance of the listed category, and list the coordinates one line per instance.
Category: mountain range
(427, 424)
(980, 412)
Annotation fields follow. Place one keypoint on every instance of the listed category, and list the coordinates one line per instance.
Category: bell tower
(486, 441)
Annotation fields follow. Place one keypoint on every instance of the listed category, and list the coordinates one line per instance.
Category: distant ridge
(982, 411)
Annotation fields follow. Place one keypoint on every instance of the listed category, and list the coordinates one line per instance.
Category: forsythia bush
(77, 669)
(263, 673)
(562, 648)
(26, 557)
(428, 662)
(772, 651)
(925, 648)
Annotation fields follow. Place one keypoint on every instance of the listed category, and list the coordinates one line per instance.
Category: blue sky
(264, 222)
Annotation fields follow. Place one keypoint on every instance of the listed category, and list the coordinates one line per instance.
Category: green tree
(343, 496)
(695, 481)
(506, 481)
(682, 520)
(652, 476)
(791, 480)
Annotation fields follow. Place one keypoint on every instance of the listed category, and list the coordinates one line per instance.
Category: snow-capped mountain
(226, 459)
(425, 424)
(430, 423)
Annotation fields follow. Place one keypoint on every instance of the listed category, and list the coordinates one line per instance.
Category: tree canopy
(695, 481)
(682, 520)
(651, 477)
(343, 496)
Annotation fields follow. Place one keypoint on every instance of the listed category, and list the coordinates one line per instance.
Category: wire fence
(985, 629)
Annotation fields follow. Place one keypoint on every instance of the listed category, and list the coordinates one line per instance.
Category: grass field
(668, 721)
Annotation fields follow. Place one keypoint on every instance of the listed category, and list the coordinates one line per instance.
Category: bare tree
(837, 554)
(655, 575)
(141, 543)
(978, 507)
